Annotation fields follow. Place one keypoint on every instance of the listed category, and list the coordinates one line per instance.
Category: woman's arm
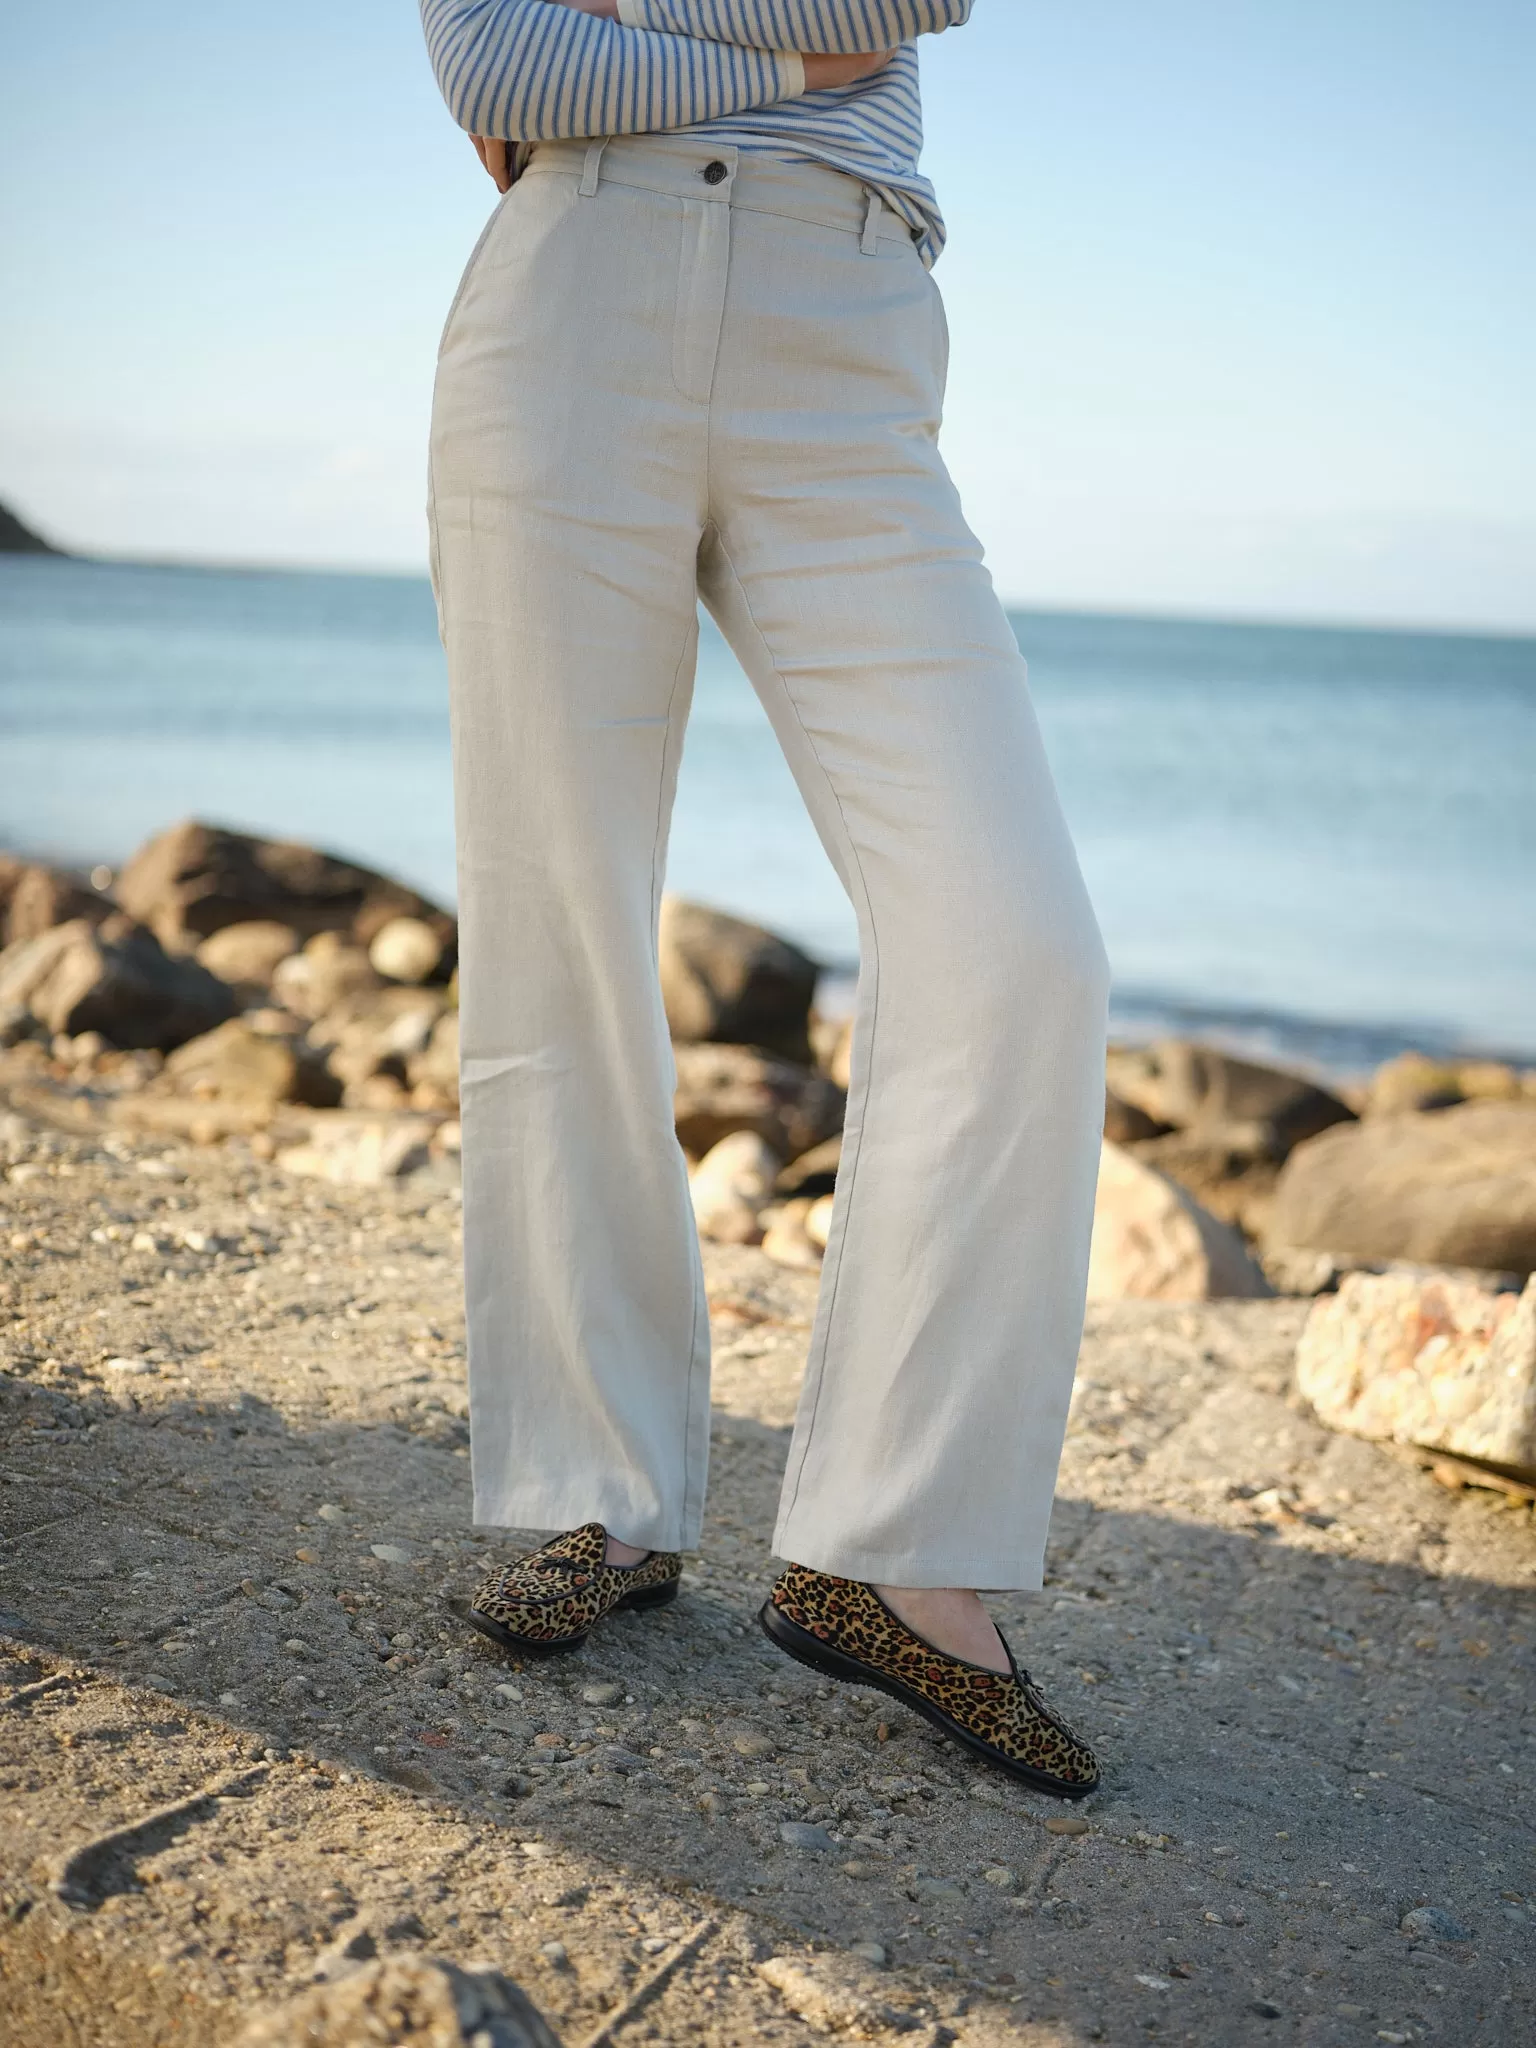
(530, 71)
(820, 26)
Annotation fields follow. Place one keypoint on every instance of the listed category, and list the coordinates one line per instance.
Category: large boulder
(1450, 1187)
(1230, 1169)
(404, 2001)
(1152, 1241)
(1185, 1086)
(1415, 1081)
(731, 982)
(1435, 1360)
(725, 1088)
(196, 878)
(114, 978)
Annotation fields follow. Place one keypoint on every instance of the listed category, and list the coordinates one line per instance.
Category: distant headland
(17, 538)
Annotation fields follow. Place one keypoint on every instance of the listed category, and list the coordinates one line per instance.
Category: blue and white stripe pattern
(730, 70)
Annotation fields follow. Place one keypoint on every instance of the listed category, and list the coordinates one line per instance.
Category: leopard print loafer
(547, 1602)
(845, 1630)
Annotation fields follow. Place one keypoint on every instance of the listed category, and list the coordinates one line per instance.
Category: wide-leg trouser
(655, 383)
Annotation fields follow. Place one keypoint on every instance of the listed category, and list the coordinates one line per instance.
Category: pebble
(625, 1760)
(331, 1513)
(1066, 1824)
(1263, 2009)
(653, 1944)
(509, 1692)
(1000, 1875)
(870, 1951)
(1436, 1924)
(548, 1741)
(307, 1556)
(128, 1365)
(607, 1694)
(296, 1646)
(555, 1954)
(534, 1849)
(751, 1744)
(1153, 1983)
(390, 1553)
(804, 1834)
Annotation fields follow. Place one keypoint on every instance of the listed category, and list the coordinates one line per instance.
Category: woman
(698, 352)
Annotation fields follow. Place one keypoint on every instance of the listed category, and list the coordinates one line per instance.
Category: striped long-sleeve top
(732, 70)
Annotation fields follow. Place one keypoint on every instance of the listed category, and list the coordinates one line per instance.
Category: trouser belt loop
(588, 183)
(871, 240)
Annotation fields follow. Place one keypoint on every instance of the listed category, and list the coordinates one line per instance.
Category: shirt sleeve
(822, 27)
(531, 71)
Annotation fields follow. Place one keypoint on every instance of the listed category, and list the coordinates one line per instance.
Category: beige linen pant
(673, 370)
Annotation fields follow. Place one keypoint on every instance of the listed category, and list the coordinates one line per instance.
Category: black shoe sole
(524, 1646)
(807, 1649)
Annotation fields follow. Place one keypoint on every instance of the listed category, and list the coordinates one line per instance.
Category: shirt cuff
(794, 65)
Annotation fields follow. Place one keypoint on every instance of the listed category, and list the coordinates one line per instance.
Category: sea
(1310, 844)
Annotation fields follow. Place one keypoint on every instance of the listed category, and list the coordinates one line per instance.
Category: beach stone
(814, 1172)
(1414, 1081)
(604, 1694)
(434, 1071)
(41, 897)
(114, 978)
(787, 1239)
(1125, 1124)
(835, 1993)
(356, 1151)
(804, 1834)
(726, 980)
(818, 1221)
(726, 1088)
(407, 949)
(730, 1184)
(234, 1061)
(1230, 1169)
(1152, 1241)
(1066, 1824)
(246, 955)
(1435, 1923)
(315, 980)
(373, 1030)
(1186, 1086)
(418, 2000)
(832, 1047)
(1449, 1187)
(196, 878)
(1438, 1361)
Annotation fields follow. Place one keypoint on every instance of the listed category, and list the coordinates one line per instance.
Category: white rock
(360, 1152)
(390, 1553)
(1152, 1241)
(405, 949)
(833, 1993)
(730, 1184)
(818, 1221)
(1437, 1360)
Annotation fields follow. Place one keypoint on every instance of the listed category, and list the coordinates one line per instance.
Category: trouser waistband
(721, 174)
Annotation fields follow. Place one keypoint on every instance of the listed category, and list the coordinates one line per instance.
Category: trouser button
(716, 173)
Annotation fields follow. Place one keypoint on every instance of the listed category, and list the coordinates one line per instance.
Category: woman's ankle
(952, 1619)
(623, 1554)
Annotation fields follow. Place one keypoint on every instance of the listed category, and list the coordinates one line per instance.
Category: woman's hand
(822, 73)
(496, 155)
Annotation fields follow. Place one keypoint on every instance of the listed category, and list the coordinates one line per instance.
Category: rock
(392, 1553)
(726, 1088)
(787, 1239)
(1230, 1169)
(317, 979)
(818, 1221)
(1413, 1081)
(814, 1172)
(752, 1743)
(434, 1071)
(196, 878)
(377, 1031)
(605, 1694)
(1433, 1922)
(360, 1151)
(405, 2001)
(41, 897)
(235, 1062)
(833, 1993)
(831, 1046)
(247, 955)
(1437, 1361)
(1125, 1124)
(804, 1834)
(1451, 1187)
(1187, 1086)
(869, 1952)
(732, 982)
(1153, 1242)
(114, 978)
(407, 949)
(1066, 1824)
(730, 1184)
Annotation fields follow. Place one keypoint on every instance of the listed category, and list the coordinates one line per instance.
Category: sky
(1241, 297)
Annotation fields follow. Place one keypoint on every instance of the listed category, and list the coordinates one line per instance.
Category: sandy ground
(1307, 1666)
